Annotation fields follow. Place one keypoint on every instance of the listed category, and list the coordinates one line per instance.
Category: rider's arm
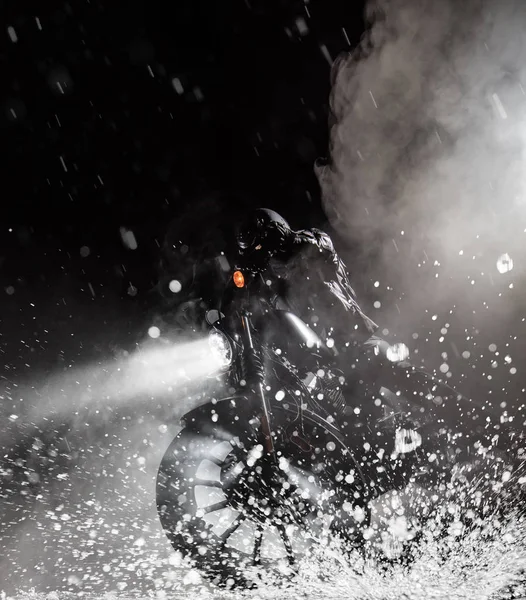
(336, 276)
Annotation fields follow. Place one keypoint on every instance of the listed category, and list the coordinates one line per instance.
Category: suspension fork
(258, 385)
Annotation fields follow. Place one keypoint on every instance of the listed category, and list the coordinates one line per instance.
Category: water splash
(504, 263)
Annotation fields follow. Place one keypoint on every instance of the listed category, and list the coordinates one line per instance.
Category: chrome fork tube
(259, 389)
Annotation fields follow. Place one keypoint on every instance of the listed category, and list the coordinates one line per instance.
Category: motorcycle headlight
(221, 347)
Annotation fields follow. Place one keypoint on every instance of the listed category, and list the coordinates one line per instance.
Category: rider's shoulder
(316, 237)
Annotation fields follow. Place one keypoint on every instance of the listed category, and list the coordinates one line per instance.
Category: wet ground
(79, 517)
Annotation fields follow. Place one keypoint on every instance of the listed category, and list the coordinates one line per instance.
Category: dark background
(132, 114)
(141, 114)
(98, 135)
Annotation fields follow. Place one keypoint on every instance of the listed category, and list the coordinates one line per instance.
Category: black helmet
(263, 224)
(261, 236)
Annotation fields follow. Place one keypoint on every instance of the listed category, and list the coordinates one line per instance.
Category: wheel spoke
(235, 524)
(256, 556)
(214, 507)
(209, 483)
(215, 460)
(286, 542)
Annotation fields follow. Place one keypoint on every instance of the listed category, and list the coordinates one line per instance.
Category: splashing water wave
(484, 565)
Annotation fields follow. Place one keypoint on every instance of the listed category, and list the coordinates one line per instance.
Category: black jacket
(313, 281)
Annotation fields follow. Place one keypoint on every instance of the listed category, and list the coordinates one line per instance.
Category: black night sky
(145, 115)
(127, 113)
(132, 114)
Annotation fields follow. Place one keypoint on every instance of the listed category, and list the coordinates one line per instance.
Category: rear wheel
(231, 508)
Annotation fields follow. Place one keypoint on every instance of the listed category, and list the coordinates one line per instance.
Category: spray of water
(81, 453)
(428, 153)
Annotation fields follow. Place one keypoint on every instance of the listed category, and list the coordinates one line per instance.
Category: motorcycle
(277, 465)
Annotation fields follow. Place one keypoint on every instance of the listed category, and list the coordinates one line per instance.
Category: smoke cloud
(429, 136)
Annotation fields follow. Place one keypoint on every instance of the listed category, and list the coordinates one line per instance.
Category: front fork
(257, 385)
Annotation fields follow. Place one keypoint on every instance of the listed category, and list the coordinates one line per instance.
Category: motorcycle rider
(306, 271)
(312, 281)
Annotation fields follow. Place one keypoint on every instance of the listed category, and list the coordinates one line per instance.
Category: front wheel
(230, 508)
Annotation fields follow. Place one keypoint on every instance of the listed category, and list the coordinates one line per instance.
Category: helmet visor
(247, 238)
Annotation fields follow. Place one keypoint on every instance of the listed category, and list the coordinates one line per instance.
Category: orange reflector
(239, 280)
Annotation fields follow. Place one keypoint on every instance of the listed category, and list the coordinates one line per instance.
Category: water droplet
(128, 238)
(504, 263)
(12, 34)
(301, 25)
(177, 85)
(175, 286)
(397, 352)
